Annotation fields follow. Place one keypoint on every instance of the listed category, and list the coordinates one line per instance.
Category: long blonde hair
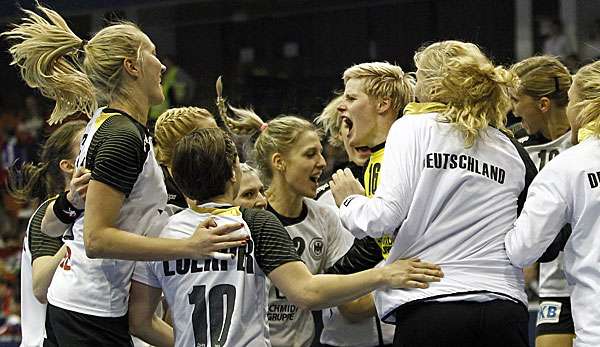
(172, 125)
(278, 135)
(475, 92)
(78, 75)
(544, 76)
(382, 79)
(587, 86)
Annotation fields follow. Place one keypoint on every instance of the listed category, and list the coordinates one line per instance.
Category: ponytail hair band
(264, 126)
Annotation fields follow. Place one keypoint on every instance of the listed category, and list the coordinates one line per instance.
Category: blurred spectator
(556, 42)
(590, 49)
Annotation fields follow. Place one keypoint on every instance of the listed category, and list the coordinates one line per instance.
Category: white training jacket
(567, 190)
(445, 204)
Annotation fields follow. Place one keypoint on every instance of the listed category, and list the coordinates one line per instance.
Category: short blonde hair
(278, 135)
(172, 125)
(459, 75)
(384, 80)
(587, 85)
(544, 76)
(49, 56)
(330, 121)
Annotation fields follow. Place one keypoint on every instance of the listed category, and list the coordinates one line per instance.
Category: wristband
(64, 210)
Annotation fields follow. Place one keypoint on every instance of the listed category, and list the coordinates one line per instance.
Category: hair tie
(82, 44)
(263, 127)
(556, 85)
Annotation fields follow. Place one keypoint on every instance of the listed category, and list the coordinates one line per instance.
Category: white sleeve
(143, 273)
(545, 212)
(384, 213)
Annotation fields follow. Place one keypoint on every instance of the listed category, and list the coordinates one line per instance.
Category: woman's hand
(411, 273)
(343, 184)
(210, 238)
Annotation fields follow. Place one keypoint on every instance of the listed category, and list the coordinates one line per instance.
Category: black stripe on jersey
(363, 255)
(287, 221)
(40, 244)
(530, 171)
(273, 245)
(117, 152)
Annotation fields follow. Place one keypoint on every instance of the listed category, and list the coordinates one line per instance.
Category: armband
(64, 210)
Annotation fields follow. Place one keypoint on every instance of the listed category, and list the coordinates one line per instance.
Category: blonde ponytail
(47, 53)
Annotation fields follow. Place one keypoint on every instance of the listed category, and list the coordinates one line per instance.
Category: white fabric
(552, 281)
(563, 193)
(319, 238)
(100, 287)
(448, 204)
(235, 294)
(33, 313)
(339, 331)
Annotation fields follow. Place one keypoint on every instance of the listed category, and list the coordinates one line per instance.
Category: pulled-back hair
(279, 135)
(172, 125)
(544, 76)
(381, 80)
(78, 75)
(459, 75)
(330, 121)
(40, 181)
(203, 162)
(587, 86)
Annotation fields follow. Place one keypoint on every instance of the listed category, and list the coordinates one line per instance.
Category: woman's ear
(277, 162)
(67, 166)
(131, 67)
(544, 104)
(383, 104)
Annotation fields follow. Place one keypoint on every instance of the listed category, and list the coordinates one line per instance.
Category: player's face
(252, 192)
(358, 157)
(359, 112)
(152, 70)
(528, 109)
(304, 165)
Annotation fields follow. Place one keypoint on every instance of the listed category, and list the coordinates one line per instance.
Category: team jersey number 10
(218, 316)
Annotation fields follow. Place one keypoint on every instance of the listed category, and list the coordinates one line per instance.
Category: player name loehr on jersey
(244, 259)
(465, 162)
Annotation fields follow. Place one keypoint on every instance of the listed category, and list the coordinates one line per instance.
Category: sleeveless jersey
(118, 151)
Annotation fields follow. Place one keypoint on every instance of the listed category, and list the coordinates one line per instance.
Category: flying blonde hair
(330, 121)
(172, 125)
(544, 76)
(384, 80)
(587, 86)
(77, 74)
(475, 92)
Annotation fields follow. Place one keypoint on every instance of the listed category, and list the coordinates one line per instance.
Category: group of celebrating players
(420, 241)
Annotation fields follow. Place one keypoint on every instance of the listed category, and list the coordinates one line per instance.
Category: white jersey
(319, 239)
(339, 331)
(445, 204)
(552, 281)
(567, 190)
(220, 302)
(100, 287)
(35, 245)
